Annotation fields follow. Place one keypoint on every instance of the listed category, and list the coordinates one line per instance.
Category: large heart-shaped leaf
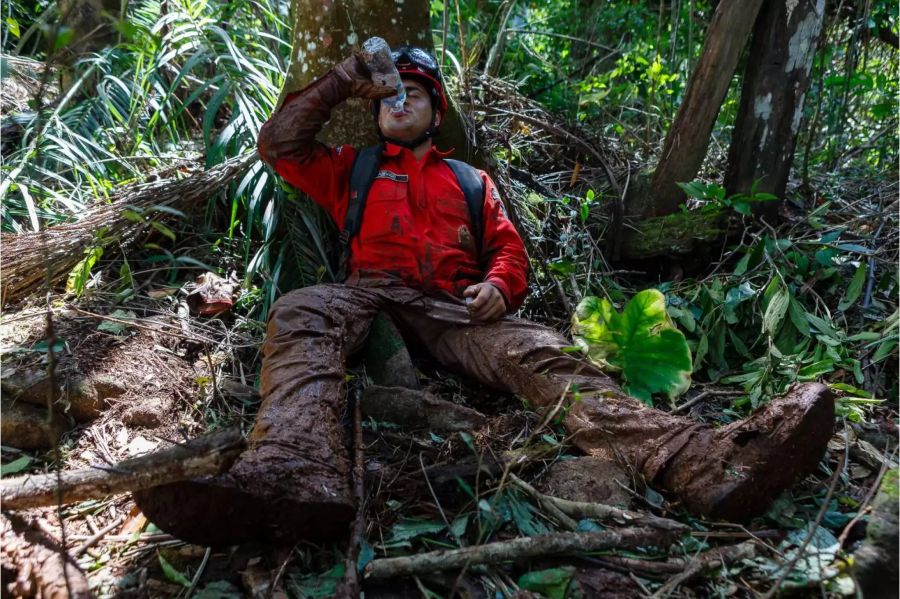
(642, 342)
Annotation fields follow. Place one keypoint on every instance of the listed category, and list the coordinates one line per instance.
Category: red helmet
(419, 64)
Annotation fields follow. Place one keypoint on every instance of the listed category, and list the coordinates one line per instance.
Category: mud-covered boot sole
(749, 463)
(215, 511)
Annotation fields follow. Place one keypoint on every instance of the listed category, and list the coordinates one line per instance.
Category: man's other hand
(488, 304)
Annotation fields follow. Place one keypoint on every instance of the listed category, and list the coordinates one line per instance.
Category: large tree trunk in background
(327, 31)
(775, 82)
(91, 22)
(688, 138)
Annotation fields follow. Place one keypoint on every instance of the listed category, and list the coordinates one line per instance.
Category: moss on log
(678, 234)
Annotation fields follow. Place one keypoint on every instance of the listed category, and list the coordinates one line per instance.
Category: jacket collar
(393, 150)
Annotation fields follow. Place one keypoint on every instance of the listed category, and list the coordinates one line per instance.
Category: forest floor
(160, 376)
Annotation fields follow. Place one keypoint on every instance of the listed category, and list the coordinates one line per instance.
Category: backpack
(362, 175)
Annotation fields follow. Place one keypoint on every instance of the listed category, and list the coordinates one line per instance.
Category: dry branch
(517, 549)
(31, 259)
(710, 560)
(678, 567)
(598, 511)
(349, 587)
(205, 455)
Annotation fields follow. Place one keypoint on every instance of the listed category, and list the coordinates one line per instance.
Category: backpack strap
(362, 174)
(473, 189)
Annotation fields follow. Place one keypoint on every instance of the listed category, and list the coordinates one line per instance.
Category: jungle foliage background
(157, 89)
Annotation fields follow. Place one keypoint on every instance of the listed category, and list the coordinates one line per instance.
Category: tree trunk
(775, 82)
(687, 139)
(91, 22)
(325, 32)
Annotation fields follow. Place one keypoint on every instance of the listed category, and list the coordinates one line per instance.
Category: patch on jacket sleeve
(392, 176)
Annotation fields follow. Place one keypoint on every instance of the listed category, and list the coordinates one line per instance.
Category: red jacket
(416, 222)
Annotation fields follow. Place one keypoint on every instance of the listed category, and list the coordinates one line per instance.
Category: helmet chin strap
(415, 143)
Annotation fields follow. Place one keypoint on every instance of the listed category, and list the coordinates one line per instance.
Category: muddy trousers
(293, 481)
(311, 332)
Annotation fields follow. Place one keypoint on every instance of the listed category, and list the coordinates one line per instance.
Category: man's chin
(401, 136)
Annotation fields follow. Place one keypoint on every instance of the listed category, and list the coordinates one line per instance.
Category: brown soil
(114, 383)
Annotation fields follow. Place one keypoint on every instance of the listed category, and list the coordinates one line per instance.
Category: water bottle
(377, 55)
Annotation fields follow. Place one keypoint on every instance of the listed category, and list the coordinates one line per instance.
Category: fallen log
(35, 565)
(31, 259)
(517, 549)
(675, 235)
(203, 456)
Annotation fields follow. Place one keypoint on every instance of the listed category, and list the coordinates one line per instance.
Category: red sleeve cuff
(501, 285)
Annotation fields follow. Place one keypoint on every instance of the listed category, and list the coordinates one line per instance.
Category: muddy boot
(734, 472)
(291, 484)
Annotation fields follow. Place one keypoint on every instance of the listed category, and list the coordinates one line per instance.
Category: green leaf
(117, 328)
(171, 573)
(13, 27)
(62, 37)
(366, 555)
(16, 466)
(854, 288)
(408, 528)
(642, 342)
(163, 229)
(81, 274)
(525, 517)
(798, 317)
(885, 349)
(584, 212)
(816, 369)
(776, 309)
(733, 298)
(458, 528)
(553, 583)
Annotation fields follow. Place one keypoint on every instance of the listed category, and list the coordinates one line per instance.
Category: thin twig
(864, 506)
(350, 586)
(711, 560)
(692, 402)
(97, 536)
(812, 530)
(543, 500)
(196, 580)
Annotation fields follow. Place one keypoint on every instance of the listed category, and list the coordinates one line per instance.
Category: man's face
(413, 120)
